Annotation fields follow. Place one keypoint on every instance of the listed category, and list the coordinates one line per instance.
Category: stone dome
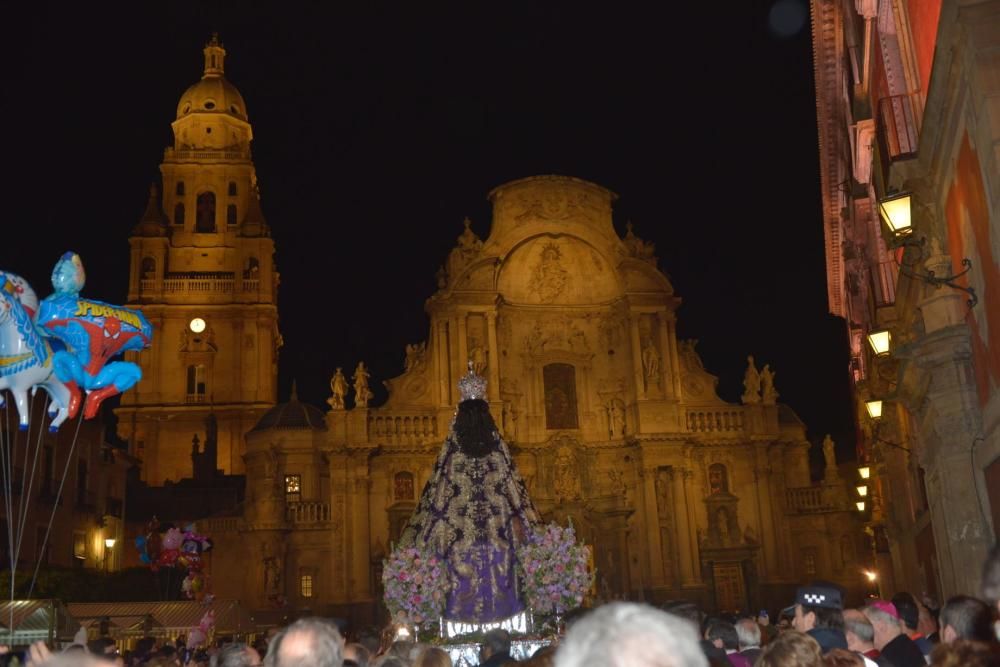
(213, 94)
(293, 415)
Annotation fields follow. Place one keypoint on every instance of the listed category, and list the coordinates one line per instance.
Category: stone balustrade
(813, 499)
(193, 284)
(408, 429)
(727, 420)
(225, 524)
(307, 512)
(170, 153)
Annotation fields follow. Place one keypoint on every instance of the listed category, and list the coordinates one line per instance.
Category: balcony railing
(209, 283)
(196, 398)
(812, 499)
(169, 153)
(709, 420)
(897, 126)
(410, 429)
(307, 512)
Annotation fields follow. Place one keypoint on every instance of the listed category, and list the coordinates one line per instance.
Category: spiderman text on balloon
(92, 332)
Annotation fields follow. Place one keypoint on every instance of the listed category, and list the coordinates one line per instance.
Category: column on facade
(668, 365)
(675, 357)
(340, 519)
(640, 383)
(652, 522)
(463, 343)
(441, 357)
(692, 492)
(685, 549)
(765, 510)
(361, 580)
(493, 360)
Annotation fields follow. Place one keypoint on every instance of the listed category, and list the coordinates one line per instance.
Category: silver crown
(472, 386)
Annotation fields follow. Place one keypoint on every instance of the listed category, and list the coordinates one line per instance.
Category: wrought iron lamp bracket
(930, 277)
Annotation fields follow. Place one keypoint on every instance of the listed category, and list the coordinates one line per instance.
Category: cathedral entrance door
(730, 589)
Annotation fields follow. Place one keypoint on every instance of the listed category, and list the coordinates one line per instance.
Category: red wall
(969, 236)
(924, 16)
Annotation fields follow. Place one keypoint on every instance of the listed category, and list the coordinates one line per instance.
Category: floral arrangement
(554, 570)
(416, 586)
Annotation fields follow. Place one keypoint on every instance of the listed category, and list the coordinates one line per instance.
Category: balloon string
(55, 504)
(22, 501)
(8, 492)
(26, 495)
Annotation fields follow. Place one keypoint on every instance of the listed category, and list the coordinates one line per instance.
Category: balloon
(92, 332)
(26, 358)
(172, 539)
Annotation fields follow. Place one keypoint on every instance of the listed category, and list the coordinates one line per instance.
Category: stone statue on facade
(565, 480)
(830, 456)
(751, 383)
(414, 357)
(769, 395)
(651, 362)
(338, 390)
(362, 394)
(477, 357)
(272, 573)
(616, 418)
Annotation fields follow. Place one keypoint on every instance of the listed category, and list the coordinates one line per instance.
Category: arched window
(179, 214)
(148, 267)
(402, 484)
(180, 188)
(232, 188)
(718, 479)
(205, 222)
(196, 384)
(560, 396)
(231, 214)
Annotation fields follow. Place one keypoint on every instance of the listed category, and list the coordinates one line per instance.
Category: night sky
(378, 128)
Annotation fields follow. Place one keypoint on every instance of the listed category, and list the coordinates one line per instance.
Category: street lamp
(881, 342)
(874, 408)
(109, 544)
(862, 490)
(895, 210)
(860, 505)
(865, 472)
(871, 576)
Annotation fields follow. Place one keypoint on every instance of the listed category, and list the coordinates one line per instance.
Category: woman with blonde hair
(432, 656)
(791, 649)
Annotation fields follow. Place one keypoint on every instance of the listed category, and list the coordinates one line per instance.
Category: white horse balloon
(25, 355)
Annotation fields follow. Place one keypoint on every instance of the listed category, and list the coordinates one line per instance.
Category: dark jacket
(902, 652)
(497, 660)
(751, 654)
(828, 638)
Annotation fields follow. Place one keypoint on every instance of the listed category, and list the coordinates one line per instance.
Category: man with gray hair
(308, 642)
(861, 638)
(748, 633)
(236, 655)
(626, 634)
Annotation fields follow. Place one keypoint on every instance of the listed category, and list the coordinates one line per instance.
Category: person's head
(236, 655)
(748, 632)
(818, 607)
(626, 634)
(858, 630)
(723, 635)
(401, 649)
(966, 653)
(885, 621)
(358, 653)
(432, 656)
(790, 649)
(840, 657)
(964, 617)
(991, 577)
(308, 642)
(495, 642)
(909, 612)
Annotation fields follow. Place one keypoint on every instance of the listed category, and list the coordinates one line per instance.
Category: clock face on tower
(197, 325)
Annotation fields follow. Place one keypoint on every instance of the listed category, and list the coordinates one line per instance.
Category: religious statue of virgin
(474, 512)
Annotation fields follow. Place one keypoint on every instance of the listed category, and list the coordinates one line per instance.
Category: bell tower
(203, 273)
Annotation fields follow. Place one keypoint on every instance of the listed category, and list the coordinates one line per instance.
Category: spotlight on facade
(895, 210)
(862, 490)
(865, 472)
(109, 542)
(870, 575)
(881, 341)
(860, 505)
(874, 408)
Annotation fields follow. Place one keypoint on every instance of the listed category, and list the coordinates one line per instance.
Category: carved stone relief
(549, 278)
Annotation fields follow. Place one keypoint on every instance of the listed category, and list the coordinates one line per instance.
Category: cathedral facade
(614, 422)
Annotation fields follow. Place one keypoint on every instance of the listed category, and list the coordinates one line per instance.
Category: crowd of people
(816, 631)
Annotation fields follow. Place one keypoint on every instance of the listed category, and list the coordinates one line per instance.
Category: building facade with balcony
(613, 421)
(203, 273)
(908, 101)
